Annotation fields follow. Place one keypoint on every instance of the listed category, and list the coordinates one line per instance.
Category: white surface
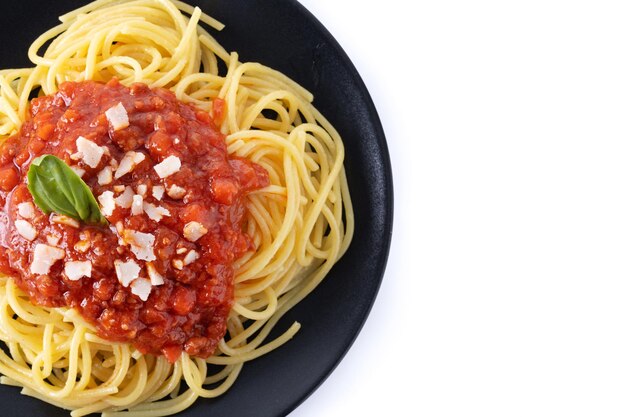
(505, 293)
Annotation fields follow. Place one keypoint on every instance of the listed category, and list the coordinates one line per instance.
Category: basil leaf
(56, 188)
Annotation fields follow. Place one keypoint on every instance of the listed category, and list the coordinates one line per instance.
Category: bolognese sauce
(160, 275)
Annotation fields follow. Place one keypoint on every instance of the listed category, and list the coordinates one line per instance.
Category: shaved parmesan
(44, 257)
(141, 287)
(52, 240)
(168, 166)
(62, 219)
(176, 192)
(26, 210)
(75, 270)
(127, 271)
(26, 230)
(117, 117)
(82, 246)
(107, 203)
(126, 199)
(158, 191)
(79, 171)
(194, 231)
(91, 153)
(137, 206)
(105, 176)
(155, 277)
(130, 160)
(142, 189)
(178, 264)
(141, 244)
(155, 213)
(192, 256)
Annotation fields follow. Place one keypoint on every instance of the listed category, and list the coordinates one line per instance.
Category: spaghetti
(300, 224)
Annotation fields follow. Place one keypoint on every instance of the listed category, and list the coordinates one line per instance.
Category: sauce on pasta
(161, 275)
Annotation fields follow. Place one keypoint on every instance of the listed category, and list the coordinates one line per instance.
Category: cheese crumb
(82, 246)
(26, 210)
(178, 264)
(75, 270)
(126, 199)
(127, 271)
(62, 219)
(91, 153)
(105, 176)
(155, 213)
(194, 231)
(128, 163)
(137, 206)
(141, 287)
(142, 189)
(155, 277)
(26, 230)
(176, 192)
(141, 244)
(107, 203)
(79, 171)
(44, 257)
(192, 256)
(158, 191)
(168, 166)
(117, 117)
(52, 240)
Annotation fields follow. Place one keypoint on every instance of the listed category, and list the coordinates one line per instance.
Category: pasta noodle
(301, 224)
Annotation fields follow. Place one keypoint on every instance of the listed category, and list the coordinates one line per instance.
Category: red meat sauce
(188, 311)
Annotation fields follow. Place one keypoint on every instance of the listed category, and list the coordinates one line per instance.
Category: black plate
(285, 36)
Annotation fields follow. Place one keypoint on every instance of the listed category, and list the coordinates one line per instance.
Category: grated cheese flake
(155, 277)
(26, 230)
(66, 220)
(89, 151)
(128, 163)
(141, 287)
(117, 117)
(176, 192)
(191, 256)
(125, 200)
(127, 271)
(75, 270)
(105, 176)
(44, 256)
(26, 210)
(158, 191)
(137, 206)
(107, 203)
(168, 166)
(141, 244)
(154, 212)
(194, 231)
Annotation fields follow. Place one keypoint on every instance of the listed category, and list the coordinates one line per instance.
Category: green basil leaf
(56, 188)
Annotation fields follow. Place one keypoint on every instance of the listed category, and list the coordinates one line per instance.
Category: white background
(505, 292)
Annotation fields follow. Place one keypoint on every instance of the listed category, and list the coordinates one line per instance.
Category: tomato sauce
(188, 310)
